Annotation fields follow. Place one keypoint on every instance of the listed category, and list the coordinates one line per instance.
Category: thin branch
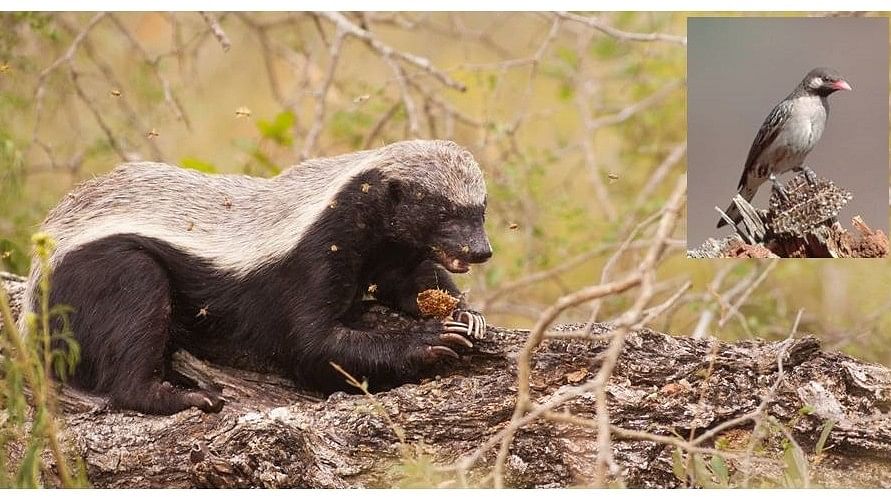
(318, 122)
(631, 319)
(658, 175)
(583, 97)
(651, 313)
(625, 36)
(745, 294)
(346, 26)
(606, 272)
(106, 128)
(217, 30)
(411, 111)
(379, 126)
(634, 108)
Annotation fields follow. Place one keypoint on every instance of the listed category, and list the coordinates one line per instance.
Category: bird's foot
(779, 189)
(809, 175)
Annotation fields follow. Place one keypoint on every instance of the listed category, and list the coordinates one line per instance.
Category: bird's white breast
(798, 135)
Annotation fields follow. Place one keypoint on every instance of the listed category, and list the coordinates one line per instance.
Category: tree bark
(271, 434)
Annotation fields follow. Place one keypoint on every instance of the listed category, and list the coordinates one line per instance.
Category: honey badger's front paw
(442, 340)
(472, 322)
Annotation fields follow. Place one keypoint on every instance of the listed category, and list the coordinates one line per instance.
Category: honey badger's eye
(442, 216)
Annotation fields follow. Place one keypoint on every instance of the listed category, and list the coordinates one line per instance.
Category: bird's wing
(766, 134)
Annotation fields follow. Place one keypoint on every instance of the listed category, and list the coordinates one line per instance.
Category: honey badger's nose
(479, 257)
(480, 251)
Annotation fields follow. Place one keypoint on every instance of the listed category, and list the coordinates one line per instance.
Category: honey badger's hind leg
(122, 312)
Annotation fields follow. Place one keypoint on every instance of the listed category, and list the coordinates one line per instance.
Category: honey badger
(152, 257)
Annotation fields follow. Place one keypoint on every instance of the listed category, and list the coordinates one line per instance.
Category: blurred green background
(579, 128)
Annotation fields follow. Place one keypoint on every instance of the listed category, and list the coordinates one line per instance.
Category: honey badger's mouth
(450, 261)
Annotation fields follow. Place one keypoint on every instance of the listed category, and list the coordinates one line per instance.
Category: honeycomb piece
(436, 303)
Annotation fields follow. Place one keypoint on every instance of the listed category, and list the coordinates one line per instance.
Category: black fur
(136, 299)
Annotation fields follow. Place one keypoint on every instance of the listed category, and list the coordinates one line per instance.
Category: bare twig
(379, 126)
(606, 272)
(347, 27)
(597, 24)
(583, 98)
(106, 128)
(651, 313)
(321, 95)
(217, 30)
(634, 108)
(658, 175)
(757, 414)
(408, 103)
(745, 294)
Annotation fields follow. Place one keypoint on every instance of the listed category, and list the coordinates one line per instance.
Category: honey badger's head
(439, 203)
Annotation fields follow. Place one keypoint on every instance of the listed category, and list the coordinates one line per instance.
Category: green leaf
(677, 465)
(199, 165)
(796, 471)
(253, 149)
(566, 91)
(605, 47)
(279, 128)
(703, 474)
(568, 56)
(824, 435)
(719, 468)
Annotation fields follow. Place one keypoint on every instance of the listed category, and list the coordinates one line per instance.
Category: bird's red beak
(841, 85)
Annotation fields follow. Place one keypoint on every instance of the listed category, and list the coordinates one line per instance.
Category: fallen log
(271, 434)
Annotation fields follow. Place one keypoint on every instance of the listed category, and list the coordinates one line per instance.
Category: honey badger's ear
(398, 191)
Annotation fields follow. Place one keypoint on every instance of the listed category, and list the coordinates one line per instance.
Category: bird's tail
(732, 212)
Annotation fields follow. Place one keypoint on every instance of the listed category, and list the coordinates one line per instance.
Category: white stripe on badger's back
(237, 222)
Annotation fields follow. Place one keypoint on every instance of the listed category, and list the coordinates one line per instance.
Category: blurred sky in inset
(738, 69)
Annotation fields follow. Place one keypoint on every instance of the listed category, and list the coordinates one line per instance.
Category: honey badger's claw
(457, 329)
(453, 326)
(476, 322)
(482, 323)
(471, 325)
(443, 351)
(453, 338)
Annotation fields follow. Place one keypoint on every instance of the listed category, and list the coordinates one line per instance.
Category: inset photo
(787, 123)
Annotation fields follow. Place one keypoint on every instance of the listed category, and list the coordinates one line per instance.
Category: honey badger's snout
(479, 250)
(463, 245)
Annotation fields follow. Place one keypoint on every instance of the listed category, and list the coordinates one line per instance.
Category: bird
(788, 134)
